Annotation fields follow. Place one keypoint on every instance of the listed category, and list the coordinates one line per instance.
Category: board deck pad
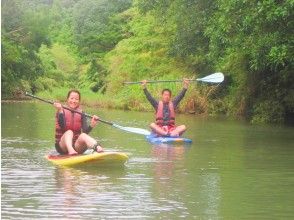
(154, 139)
(97, 158)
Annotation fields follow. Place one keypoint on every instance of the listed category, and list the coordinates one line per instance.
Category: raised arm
(181, 95)
(150, 98)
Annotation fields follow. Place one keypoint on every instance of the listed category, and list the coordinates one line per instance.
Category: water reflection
(173, 179)
(167, 155)
(84, 191)
(169, 162)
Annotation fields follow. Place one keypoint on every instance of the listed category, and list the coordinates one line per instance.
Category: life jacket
(159, 114)
(73, 121)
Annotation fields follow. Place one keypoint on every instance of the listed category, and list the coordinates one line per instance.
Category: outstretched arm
(150, 98)
(181, 95)
(88, 127)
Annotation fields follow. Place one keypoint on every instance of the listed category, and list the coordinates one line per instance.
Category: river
(232, 170)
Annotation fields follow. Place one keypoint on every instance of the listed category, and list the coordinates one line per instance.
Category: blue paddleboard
(167, 140)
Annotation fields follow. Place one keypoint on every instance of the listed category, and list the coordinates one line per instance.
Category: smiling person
(71, 129)
(165, 111)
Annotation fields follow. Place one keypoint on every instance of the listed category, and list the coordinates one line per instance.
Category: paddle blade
(133, 130)
(213, 78)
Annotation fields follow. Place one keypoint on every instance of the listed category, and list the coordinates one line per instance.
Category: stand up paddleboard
(108, 158)
(154, 139)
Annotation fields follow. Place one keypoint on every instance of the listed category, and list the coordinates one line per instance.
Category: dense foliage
(23, 32)
(98, 44)
(47, 44)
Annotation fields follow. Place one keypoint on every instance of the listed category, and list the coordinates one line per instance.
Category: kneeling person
(71, 128)
(165, 111)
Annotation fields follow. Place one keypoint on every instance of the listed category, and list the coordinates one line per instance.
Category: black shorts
(58, 149)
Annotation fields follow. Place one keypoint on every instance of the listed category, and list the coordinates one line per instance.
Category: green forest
(50, 46)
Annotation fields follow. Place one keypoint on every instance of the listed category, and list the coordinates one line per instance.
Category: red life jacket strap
(73, 121)
(159, 114)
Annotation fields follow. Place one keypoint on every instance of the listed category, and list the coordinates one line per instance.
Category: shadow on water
(93, 168)
(73, 181)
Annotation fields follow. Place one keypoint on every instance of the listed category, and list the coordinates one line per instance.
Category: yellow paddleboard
(97, 158)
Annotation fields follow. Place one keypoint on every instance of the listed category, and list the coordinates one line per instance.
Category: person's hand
(58, 106)
(186, 83)
(143, 83)
(94, 121)
(165, 128)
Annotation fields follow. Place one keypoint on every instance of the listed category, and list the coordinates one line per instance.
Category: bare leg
(65, 142)
(179, 130)
(84, 142)
(158, 130)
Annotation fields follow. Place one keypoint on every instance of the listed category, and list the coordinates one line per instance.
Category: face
(73, 100)
(166, 96)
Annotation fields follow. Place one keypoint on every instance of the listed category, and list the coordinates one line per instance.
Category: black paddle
(129, 129)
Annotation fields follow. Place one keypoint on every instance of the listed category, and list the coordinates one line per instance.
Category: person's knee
(83, 135)
(184, 128)
(152, 125)
(85, 138)
(69, 132)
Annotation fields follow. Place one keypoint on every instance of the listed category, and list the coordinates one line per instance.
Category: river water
(233, 170)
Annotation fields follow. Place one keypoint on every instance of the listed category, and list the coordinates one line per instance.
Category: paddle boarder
(165, 111)
(72, 129)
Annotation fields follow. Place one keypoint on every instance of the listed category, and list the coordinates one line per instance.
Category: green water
(232, 170)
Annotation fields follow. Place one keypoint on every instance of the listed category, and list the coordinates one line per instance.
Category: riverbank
(193, 102)
(16, 101)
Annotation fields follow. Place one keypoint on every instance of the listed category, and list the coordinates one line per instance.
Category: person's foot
(72, 153)
(161, 135)
(98, 148)
(174, 135)
(167, 134)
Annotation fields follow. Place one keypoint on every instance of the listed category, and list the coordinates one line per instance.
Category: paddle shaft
(212, 78)
(160, 81)
(72, 110)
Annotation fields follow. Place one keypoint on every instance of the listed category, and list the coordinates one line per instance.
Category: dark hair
(166, 90)
(75, 91)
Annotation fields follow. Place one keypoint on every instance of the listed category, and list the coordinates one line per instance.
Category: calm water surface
(232, 170)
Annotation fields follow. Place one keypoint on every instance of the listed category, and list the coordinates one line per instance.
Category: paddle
(128, 129)
(212, 78)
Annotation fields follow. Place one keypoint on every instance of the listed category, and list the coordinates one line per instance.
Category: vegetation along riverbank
(96, 45)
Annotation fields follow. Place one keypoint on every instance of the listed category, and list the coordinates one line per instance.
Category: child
(71, 129)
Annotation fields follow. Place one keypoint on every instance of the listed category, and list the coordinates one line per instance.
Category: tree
(23, 32)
